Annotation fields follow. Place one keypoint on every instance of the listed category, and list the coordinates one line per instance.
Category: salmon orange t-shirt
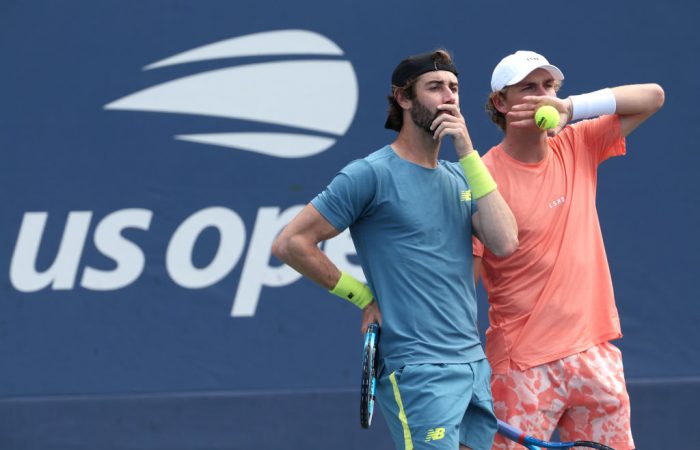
(553, 297)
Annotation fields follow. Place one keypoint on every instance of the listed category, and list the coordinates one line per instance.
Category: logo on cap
(515, 67)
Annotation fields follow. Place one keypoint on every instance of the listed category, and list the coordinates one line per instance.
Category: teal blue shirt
(412, 230)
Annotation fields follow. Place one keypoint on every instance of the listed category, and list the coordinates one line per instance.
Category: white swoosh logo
(282, 42)
(294, 145)
(294, 93)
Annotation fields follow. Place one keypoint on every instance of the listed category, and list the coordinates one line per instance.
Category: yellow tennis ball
(547, 117)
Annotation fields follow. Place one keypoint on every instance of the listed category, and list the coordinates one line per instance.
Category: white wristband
(593, 104)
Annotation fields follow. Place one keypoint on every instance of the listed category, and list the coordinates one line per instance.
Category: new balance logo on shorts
(435, 434)
(465, 196)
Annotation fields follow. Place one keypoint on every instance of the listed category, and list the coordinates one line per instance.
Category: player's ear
(498, 101)
(402, 99)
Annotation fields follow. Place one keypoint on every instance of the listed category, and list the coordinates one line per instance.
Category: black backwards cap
(415, 66)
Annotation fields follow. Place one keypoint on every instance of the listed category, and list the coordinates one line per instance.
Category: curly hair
(496, 116)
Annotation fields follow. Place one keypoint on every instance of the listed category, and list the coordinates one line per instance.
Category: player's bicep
(629, 123)
(298, 241)
(310, 226)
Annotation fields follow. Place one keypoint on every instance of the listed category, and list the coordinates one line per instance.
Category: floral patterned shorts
(583, 396)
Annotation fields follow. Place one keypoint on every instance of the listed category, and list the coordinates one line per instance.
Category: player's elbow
(512, 246)
(506, 247)
(657, 97)
(281, 246)
(288, 247)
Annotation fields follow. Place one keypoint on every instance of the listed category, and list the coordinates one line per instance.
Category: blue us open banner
(151, 151)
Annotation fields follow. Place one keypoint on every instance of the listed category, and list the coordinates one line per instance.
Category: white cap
(514, 68)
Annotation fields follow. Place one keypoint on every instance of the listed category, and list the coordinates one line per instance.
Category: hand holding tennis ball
(546, 117)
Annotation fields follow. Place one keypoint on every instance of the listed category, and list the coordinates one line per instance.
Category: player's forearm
(636, 103)
(633, 103)
(638, 99)
(306, 258)
(496, 226)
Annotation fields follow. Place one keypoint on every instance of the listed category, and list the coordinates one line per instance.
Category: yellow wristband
(352, 290)
(478, 175)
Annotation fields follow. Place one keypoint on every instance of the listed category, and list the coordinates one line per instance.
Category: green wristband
(480, 180)
(352, 290)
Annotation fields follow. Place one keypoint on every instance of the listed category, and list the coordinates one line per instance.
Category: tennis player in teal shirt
(412, 217)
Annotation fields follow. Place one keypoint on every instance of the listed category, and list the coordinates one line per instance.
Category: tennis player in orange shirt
(552, 311)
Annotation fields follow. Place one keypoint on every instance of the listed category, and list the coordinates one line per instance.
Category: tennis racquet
(531, 443)
(369, 375)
